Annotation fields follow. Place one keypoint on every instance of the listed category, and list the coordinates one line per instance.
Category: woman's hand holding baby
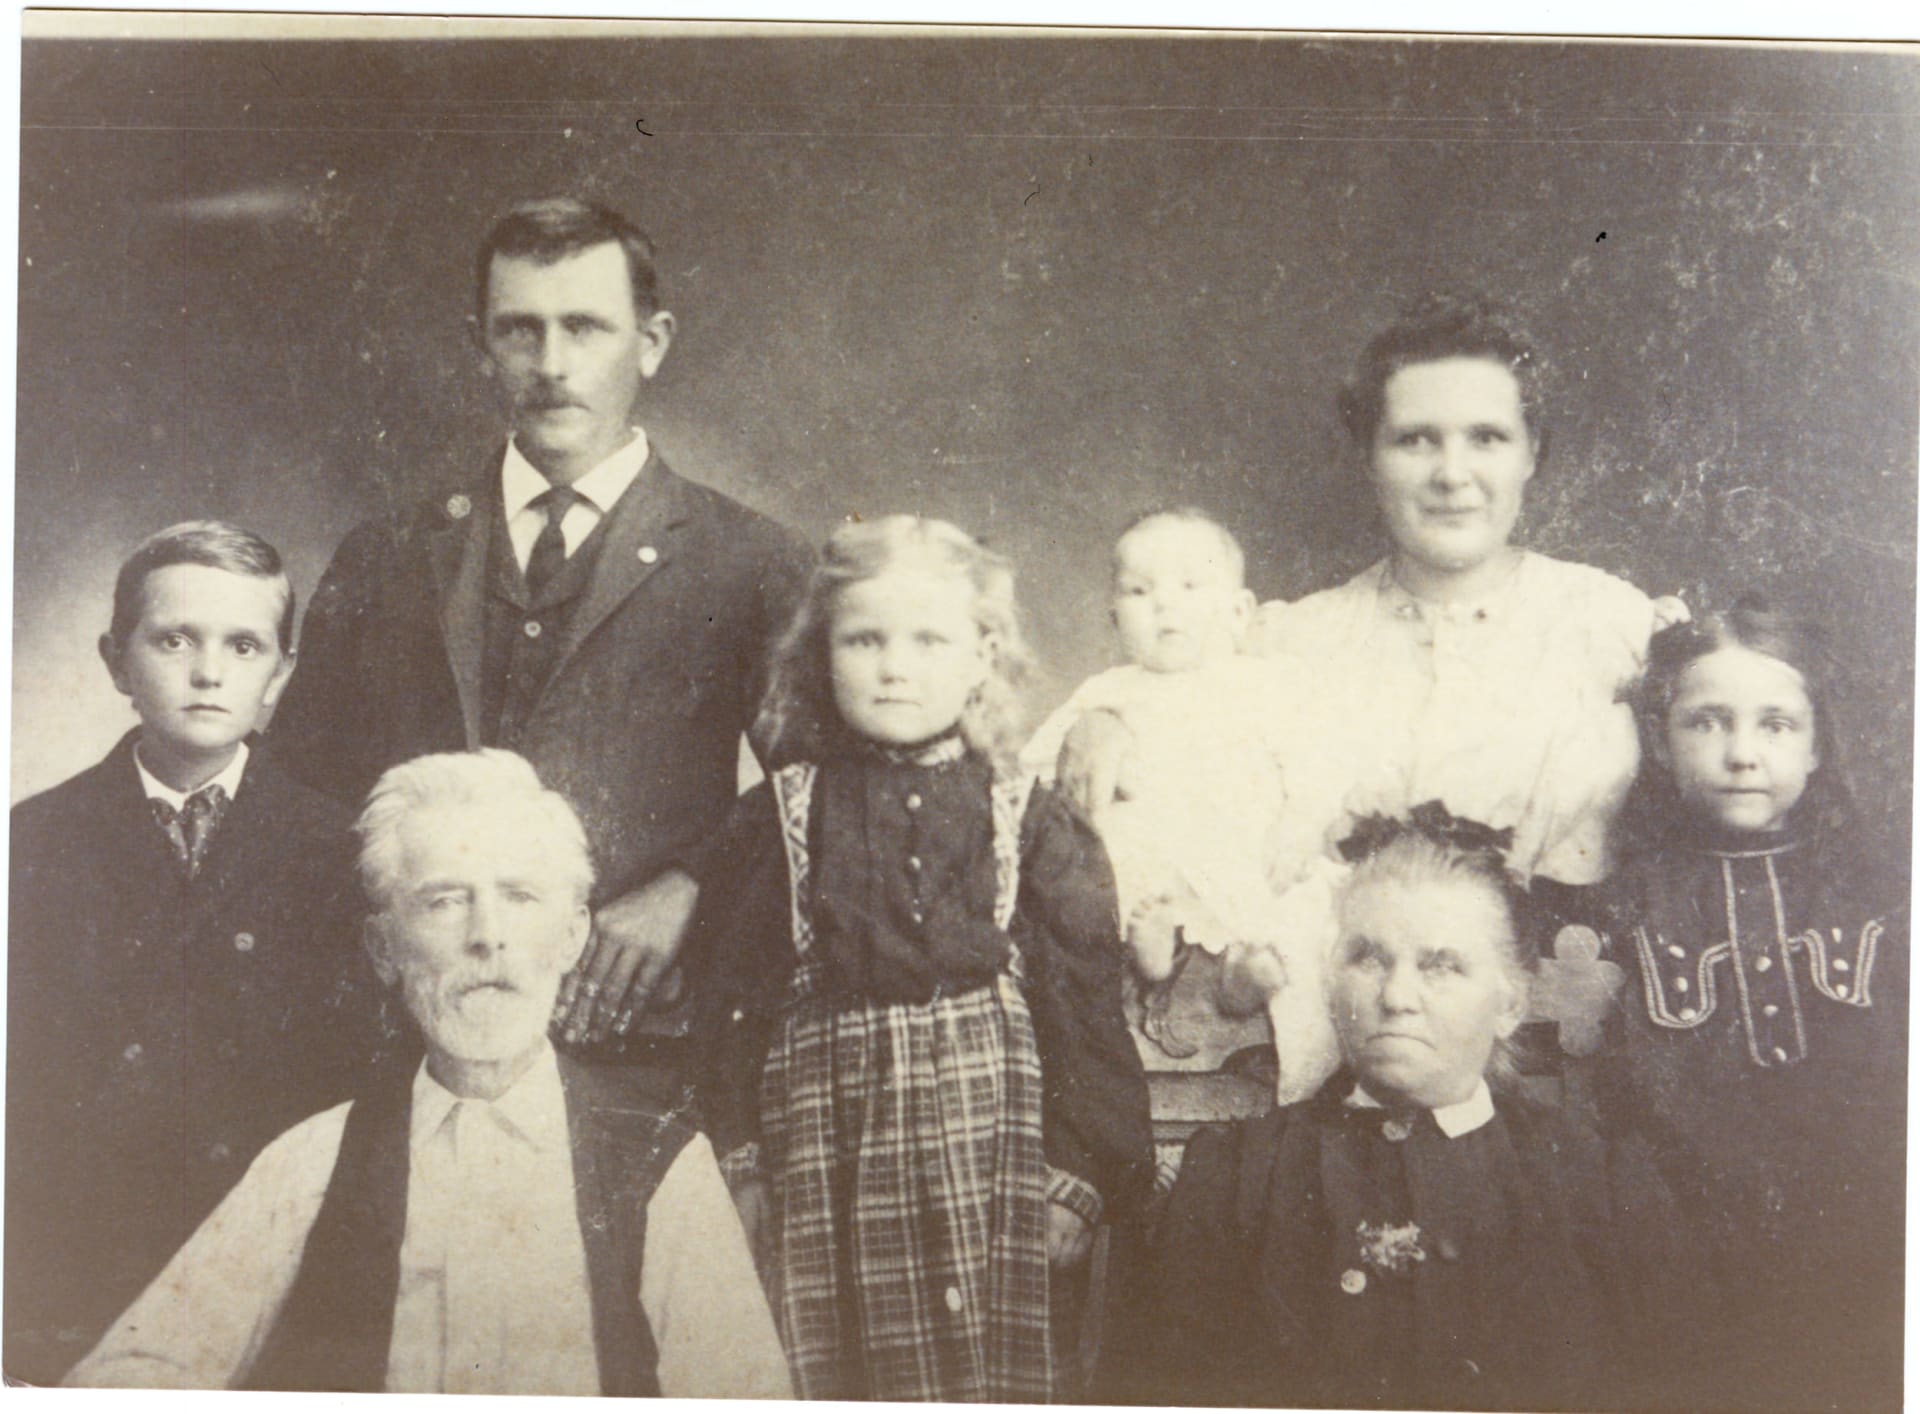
(1090, 761)
(1670, 609)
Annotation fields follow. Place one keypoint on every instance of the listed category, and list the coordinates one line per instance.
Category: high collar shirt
(1451, 1120)
(493, 1294)
(228, 780)
(599, 490)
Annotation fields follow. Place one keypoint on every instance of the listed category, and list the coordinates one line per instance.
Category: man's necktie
(190, 828)
(550, 550)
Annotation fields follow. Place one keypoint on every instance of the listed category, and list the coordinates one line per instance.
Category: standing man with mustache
(580, 603)
(500, 1220)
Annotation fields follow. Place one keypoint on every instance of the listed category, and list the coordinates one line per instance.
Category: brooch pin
(1387, 1248)
(459, 507)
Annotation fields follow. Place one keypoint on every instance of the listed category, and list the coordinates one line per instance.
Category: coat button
(1780, 1054)
(1353, 1281)
(1840, 990)
(532, 628)
(1688, 1013)
(913, 864)
(1680, 984)
(647, 554)
(1396, 1130)
(1448, 1249)
(913, 800)
(954, 1301)
(219, 1154)
(133, 1052)
(1676, 951)
(1840, 965)
(243, 942)
(1769, 1010)
(1763, 964)
(459, 507)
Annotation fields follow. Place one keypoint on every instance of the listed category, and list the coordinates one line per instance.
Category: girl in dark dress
(1413, 1236)
(915, 1060)
(1761, 1047)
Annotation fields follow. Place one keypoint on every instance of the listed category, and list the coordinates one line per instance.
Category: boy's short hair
(558, 227)
(213, 543)
(1189, 515)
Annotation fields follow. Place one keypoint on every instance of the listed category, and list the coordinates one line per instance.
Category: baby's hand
(1201, 927)
(1153, 934)
(1249, 976)
(1670, 609)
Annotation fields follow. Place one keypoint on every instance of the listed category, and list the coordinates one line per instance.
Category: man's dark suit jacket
(640, 721)
(162, 1031)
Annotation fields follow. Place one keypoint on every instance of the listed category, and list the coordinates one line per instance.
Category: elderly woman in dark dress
(1411, 1236)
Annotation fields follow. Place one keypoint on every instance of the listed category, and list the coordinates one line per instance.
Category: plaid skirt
(909, 1198)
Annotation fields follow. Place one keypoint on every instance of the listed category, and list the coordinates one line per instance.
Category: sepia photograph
(960, 713)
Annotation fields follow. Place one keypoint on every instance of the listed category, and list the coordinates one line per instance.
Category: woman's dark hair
(1653, 811)
(1440, 326)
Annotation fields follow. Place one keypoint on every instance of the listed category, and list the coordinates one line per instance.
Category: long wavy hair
(797, 717)
(1654, 812)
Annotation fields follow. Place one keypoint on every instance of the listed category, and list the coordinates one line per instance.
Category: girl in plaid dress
(913, 1052)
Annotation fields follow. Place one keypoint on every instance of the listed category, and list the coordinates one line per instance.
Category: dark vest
(336, 1329)
(522, 634)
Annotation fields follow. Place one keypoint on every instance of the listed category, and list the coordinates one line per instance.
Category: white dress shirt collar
(604, 485)
(534, 1107)
(1454, 1120)
(228, 780)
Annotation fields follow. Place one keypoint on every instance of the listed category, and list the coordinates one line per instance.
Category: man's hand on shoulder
(636, 939)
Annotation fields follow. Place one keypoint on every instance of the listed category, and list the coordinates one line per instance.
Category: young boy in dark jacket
(182, 977)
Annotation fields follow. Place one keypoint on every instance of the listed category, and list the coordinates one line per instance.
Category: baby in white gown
(1195, 834)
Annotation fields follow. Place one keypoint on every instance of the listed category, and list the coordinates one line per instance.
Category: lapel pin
(459, 507)
(648, 554)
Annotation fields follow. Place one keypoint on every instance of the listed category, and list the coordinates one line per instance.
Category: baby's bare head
(1180, 598)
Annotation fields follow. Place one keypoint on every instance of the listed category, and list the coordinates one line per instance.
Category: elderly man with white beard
(502, 1220)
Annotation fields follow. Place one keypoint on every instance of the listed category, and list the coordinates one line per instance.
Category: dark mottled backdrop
(1030, 282)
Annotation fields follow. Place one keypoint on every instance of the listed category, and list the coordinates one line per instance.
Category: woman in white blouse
(1461, 667)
